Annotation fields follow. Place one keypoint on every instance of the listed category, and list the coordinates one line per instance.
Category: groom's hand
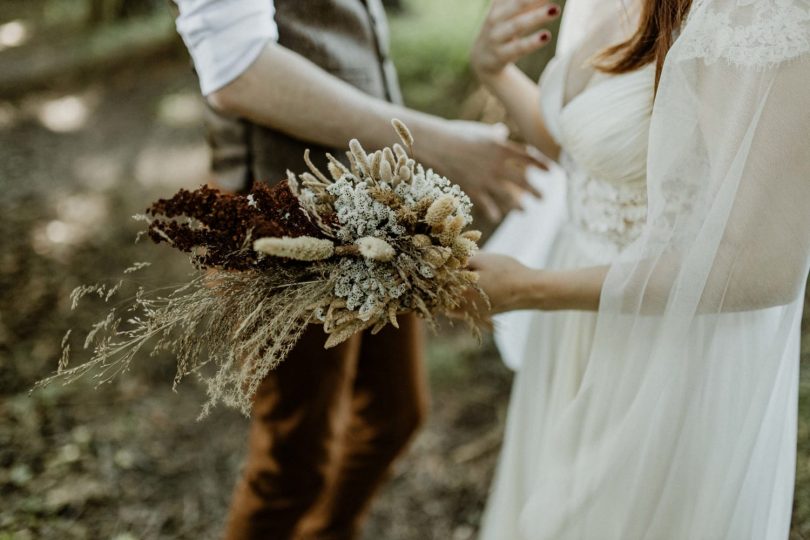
(512, 29)
(481, 159)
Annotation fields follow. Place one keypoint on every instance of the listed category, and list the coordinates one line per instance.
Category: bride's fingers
(509, 29)
(520, 163)
(525, 156)
(505, 9)
(490, 207)
(523, 46)
(518, 178)
(506, 195)
(516, 192)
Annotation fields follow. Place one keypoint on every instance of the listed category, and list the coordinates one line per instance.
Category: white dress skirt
(593, 205)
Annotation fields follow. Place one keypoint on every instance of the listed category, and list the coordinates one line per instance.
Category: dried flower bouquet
(350, 250)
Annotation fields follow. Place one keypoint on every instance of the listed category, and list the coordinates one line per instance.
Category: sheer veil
(699, 321)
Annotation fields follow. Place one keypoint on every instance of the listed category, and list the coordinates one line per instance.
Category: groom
(282, 77)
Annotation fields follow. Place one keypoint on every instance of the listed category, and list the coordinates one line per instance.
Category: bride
(659, 400)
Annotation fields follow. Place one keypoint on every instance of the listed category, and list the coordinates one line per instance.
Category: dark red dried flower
(223, 224)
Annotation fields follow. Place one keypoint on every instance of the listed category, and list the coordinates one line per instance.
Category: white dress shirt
(224, 37)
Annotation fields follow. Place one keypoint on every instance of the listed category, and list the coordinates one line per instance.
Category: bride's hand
(507, 283)
(510, 31)
(511, 286)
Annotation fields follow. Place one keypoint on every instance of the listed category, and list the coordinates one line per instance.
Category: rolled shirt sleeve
(224, 37)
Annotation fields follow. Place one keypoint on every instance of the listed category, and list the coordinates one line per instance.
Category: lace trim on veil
(761, 33)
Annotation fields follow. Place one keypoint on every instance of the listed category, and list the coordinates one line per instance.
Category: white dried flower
(302, 248)
(376, 249)
(428, 184)
(359, 214)
(363, 282)
(426, 270)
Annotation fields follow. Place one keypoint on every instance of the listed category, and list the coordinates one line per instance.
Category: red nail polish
(553, 11)
(544, 37)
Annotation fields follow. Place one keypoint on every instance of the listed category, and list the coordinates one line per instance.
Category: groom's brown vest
(347, 38)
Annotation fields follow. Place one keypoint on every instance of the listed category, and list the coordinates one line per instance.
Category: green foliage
(801, 501)
(431, 45)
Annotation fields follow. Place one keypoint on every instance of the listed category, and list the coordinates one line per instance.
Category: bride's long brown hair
(660, 19)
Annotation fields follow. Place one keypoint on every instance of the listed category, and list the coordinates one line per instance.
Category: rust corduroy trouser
(326, 427)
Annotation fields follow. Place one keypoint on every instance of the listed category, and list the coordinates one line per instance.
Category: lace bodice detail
(603, 134)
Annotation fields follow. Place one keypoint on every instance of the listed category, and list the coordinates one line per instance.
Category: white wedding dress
(603, 132)
(671, 413)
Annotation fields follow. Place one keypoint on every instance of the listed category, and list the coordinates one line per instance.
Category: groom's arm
(245, 73)
(285, 91)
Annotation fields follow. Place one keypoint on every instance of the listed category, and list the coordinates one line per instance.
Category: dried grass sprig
(230, 328)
